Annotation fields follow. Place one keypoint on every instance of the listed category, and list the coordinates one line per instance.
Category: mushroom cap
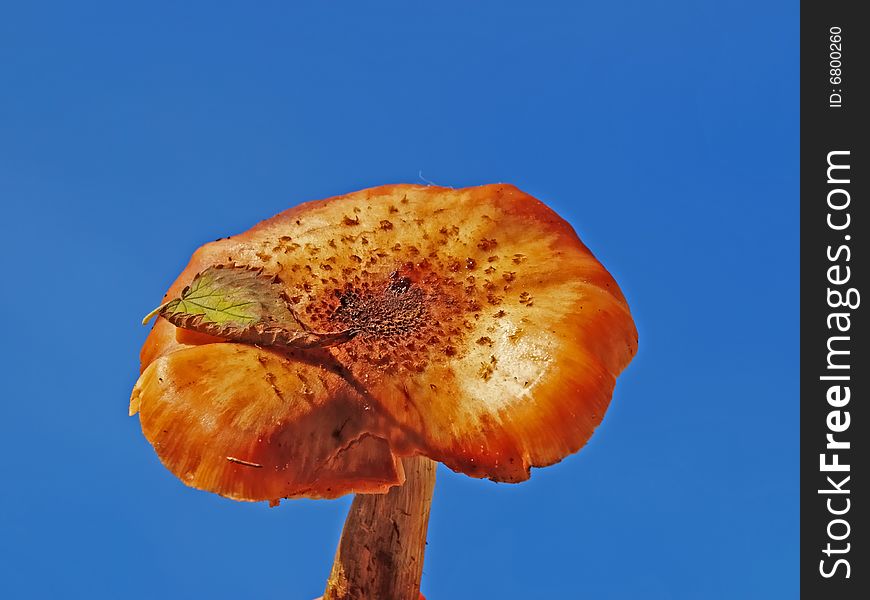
(489, 338)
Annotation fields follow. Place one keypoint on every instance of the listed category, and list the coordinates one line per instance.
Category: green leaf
(243, 305)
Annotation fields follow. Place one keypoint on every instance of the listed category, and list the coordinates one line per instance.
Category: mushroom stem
(380, 554)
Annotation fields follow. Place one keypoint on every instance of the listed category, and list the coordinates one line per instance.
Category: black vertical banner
(835, 370)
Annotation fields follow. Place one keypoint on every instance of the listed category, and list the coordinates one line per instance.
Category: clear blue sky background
(665, 132)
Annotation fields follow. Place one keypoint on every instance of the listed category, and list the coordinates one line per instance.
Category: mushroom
(355, 340)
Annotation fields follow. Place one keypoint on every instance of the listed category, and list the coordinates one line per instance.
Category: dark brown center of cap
(397, 308)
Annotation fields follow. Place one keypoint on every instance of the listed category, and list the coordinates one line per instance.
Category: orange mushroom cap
(487, 337)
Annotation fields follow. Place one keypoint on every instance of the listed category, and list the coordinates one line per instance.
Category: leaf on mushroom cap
(488, 335)
(243, 305)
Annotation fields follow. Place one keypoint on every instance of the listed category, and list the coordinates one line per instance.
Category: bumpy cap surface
(486, 336)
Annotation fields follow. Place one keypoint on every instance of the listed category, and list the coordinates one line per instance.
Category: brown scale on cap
(488, 338)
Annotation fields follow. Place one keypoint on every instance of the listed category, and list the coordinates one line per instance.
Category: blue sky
(666, 133)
